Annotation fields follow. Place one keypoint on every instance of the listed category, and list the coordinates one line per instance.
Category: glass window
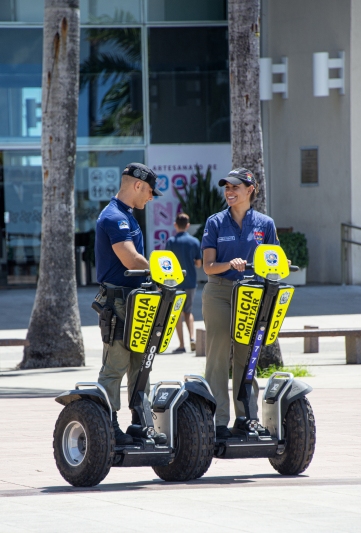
(110, 11)
(21, 11)
(91, 11)
(111, 96)
(185, 10)
(20, 83)
(189, 85)
(22, 177)
(97, 179)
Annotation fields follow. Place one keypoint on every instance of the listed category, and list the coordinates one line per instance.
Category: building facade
(153, 78)
(312, 143)
(154, 88)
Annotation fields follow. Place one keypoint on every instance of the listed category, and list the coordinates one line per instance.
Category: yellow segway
(287, 435)
(84, 444)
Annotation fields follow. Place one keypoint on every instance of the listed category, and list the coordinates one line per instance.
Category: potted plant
(201, 200)
(295, 247)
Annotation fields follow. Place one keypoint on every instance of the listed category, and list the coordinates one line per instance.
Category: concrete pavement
(234, 495)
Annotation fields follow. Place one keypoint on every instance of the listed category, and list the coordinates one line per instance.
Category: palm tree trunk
(54, 330)
(246, 130)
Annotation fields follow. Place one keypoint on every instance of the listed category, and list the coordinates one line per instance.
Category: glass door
(22, 196)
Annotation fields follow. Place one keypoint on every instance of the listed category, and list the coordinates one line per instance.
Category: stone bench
(14, 342)
(311, 335)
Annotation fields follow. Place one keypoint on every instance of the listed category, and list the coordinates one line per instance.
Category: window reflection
(109, 11)
(111, 102)
(20, 83)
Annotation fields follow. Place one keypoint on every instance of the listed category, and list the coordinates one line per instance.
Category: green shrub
(298, 371)
(295, 247)
(201, 200)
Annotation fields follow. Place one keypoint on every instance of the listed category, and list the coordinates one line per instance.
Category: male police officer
(119, 247)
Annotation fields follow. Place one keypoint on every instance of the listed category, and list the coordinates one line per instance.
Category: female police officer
(229, 241)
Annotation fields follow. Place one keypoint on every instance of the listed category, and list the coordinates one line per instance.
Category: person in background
(229, 241)
(188, 252)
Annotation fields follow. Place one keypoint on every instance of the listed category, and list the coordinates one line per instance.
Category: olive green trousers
(216, 308)
(118, 361)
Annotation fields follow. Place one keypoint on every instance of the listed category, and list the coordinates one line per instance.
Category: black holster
(111, 326)
(107, 324)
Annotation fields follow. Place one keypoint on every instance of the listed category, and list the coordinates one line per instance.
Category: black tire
(88, 426)
(300, 437)
(194, 443)
(206, 419)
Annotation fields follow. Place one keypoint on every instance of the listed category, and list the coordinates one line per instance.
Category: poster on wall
(103, 183)
(176, 165)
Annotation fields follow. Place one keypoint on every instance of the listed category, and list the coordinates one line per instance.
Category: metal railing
(346, 240)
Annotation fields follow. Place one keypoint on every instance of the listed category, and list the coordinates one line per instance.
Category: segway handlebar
(128, 273)
(249, 266)
(137, 272)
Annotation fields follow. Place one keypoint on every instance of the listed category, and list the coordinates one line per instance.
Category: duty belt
(110, 293)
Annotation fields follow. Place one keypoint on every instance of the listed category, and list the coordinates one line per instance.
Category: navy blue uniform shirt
(116, 223)
(230, 241)
(187, 249)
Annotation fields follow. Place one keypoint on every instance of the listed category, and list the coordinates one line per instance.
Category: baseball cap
(144, 173)
(238, 175)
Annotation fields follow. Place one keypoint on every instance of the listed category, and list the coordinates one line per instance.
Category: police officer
(229, 241)
(119, 247)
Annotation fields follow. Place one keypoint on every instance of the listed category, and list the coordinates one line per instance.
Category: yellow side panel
(247, 307)
(270, 259)
(174, 315)
(283, 301)
(164, 266)
(145, 311)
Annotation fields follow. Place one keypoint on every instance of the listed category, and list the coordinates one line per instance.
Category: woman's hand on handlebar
(238, 264)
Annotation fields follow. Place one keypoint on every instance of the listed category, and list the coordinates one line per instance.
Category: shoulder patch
(123, 224)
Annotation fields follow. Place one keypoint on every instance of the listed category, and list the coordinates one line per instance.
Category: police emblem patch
(271, 258)
(285, 297)
(143, 175)
(123, 224)
(178, 304)
(165, 264)
(259, 236)
(205, 232)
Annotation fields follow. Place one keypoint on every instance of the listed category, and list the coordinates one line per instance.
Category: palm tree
(246, 130)
(54, 331)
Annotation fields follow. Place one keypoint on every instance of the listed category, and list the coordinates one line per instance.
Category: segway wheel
(194, 443)
(83, 443)
(300, 438)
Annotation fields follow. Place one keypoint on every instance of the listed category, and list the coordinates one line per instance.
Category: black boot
(121, 439)
(222, 433)
(160, 438)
